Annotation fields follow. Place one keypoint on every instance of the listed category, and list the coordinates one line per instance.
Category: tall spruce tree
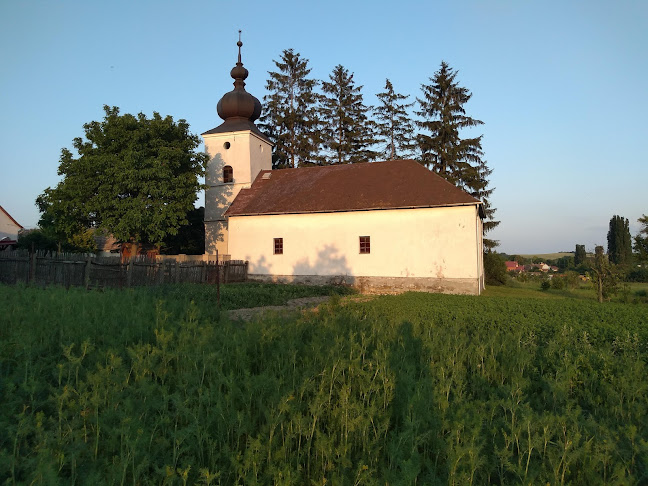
(347, 132)
(459, 160)
(290, 112)
(619, 241)
(394, 128)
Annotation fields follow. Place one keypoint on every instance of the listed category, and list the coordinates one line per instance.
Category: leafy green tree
(190, 238)
(565, 262)
(619, 241)
(579, 255)
(394, 126)
(494, 269)
(604, 278)
(346, 130)
(641, 240)
(134, 177)
(37, 239)
(459, 160)
(291, 117)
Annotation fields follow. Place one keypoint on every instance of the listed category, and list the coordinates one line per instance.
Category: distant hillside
(548, 256)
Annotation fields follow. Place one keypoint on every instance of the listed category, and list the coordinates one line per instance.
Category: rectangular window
(278, 246)
(365, 244)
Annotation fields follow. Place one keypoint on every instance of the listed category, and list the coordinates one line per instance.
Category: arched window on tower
(228, 174)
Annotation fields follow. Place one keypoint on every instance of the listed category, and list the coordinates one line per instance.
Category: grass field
(627, 293)
(548, 256)
(157, 386)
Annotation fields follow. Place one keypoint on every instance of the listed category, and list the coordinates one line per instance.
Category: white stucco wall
(440, 243)
(8, 228)
(247, 154)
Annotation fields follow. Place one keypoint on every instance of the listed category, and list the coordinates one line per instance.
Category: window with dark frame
(228, 174)
(365, 244)
(278, 246)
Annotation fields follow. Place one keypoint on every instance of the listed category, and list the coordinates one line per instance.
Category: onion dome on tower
(238, 108)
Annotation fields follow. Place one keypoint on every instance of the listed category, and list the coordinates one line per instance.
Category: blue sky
(560, 86)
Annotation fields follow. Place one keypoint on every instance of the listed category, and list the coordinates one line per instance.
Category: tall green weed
(156, 387)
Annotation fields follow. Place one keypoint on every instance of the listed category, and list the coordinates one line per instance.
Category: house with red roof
(383, 227)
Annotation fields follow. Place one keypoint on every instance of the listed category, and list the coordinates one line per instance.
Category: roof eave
(476, 203)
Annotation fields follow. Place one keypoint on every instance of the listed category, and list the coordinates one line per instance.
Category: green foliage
(641, 240)
(545, 285)
(603, 275)
(134, 177)
(637, 275)
(290, 112)
(393, 124)
(459, 160)
(558, 282)
(413, 389)
(563, 263)
(494, 269)
(190, 238)
(619, 241)
(46, 240)
(347, 132)
(38, 239)
(572, 279)
(580, 255)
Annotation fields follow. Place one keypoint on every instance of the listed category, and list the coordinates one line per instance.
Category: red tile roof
(349, 187)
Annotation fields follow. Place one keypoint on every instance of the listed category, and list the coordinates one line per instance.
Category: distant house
(9, 229)
(513, 266)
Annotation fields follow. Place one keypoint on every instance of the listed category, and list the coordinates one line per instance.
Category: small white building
(9, 229)
(383, 226)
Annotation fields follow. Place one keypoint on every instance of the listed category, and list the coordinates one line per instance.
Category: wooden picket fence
(75, 269)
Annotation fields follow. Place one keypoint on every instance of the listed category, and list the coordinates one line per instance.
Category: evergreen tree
(394, 127)
(579, 255)
(619, 241)
(459, 160)
(347, 132)
(290, 119)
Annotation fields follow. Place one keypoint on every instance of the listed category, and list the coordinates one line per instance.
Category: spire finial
(239, 44)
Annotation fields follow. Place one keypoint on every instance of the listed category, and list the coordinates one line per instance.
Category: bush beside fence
(75, 269)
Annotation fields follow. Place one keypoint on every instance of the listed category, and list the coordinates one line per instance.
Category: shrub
(558, 283)
(545, 285)
(494, 269)
(637, 275)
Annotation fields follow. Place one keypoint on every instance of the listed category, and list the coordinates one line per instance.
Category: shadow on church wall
(328, 262)
(261, 266)
(218, 197)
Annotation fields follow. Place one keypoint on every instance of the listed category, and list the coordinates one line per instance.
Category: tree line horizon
(125, 177)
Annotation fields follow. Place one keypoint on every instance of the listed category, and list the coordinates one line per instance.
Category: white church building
(382, 227)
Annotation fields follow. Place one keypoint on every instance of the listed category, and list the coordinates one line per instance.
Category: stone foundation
(380, 285)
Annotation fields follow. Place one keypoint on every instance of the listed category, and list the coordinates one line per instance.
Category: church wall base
(380, 285)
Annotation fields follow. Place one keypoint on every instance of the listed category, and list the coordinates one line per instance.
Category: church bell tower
(238, 151)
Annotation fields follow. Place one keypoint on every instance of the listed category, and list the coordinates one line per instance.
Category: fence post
(86, 272)
(246, 271)
(160, 272)
(32, 266)
(129, 273)
(176, 278)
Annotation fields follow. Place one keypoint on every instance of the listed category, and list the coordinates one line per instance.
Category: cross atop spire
(239, 44)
